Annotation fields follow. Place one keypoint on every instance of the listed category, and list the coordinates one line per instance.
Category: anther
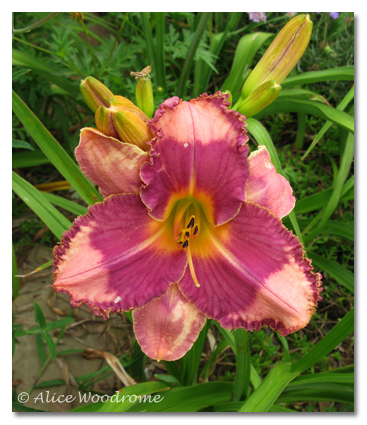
(187, 234)
(191, 223)
(196, 230)
(186, 244)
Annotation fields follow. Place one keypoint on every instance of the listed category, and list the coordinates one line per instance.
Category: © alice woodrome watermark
(45, 397)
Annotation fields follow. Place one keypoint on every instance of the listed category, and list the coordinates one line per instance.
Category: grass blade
(343, 73)
(182, 84)
(288, 104)
(338, 272)
(243, 364)
(345, 165)
(317, 392)
(331, 340)
(53, 219)
(265, 396)
(70, 206)
(54, 152)
(160, 65)
(342, 105)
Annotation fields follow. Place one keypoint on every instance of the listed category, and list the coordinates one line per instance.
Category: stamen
(186, 244)
(196, 230)
(187, 234)
(191, 222)
(191, 266)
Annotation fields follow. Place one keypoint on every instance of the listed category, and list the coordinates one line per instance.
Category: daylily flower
(190, 230)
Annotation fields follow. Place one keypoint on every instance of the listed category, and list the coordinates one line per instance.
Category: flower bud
(259, 98)
(282, 55)
(124, 121)
(144, 95)
(95, 94)
(132, 129)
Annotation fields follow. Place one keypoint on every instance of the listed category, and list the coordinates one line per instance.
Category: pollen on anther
(196, 230)
(186, 244)
(191, 223)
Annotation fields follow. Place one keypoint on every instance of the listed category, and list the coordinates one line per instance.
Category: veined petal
(166, 328)
(266, 187)
(200, 150)
(254, 274)
(112, 165)
(116, 257)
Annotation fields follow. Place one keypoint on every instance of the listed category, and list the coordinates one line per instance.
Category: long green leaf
(342, 105)
(144, 388)
(149, 40)
(193, 357)
(203, 71)
(189, 399)
(243, 364)
(318, 200)
(345, 165)
(53, 219)
(289, 104)
(29, 159)
(338, 272)
(70, 206)
(325, 377)
(54, 152)
(343, 73)
(182, 84)
(160, 66)
(265, 396)
(335, 228)
(331, 340)
(317, 392)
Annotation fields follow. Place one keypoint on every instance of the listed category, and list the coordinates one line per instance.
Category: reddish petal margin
(266, 187)
(200, 150)
(112, 165)
(116, 257)
(167, 328)
(254, 274)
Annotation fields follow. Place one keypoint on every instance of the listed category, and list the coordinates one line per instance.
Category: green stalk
(35, 24)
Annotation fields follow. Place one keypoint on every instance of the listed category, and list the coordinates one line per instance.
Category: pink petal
(200, 149)
(116, 257)
(167, 328)
(112, 165)
(253, 273)
(266, 187)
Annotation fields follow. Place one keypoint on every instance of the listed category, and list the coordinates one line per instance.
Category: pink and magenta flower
(187, 231)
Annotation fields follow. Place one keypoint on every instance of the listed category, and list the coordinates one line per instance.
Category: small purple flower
(333, 15)
(257, 16)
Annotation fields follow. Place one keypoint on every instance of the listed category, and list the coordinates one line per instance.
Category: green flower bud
(95, 94)
(124, 121)
(144, 95)
(259, 98)
(282, 55)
